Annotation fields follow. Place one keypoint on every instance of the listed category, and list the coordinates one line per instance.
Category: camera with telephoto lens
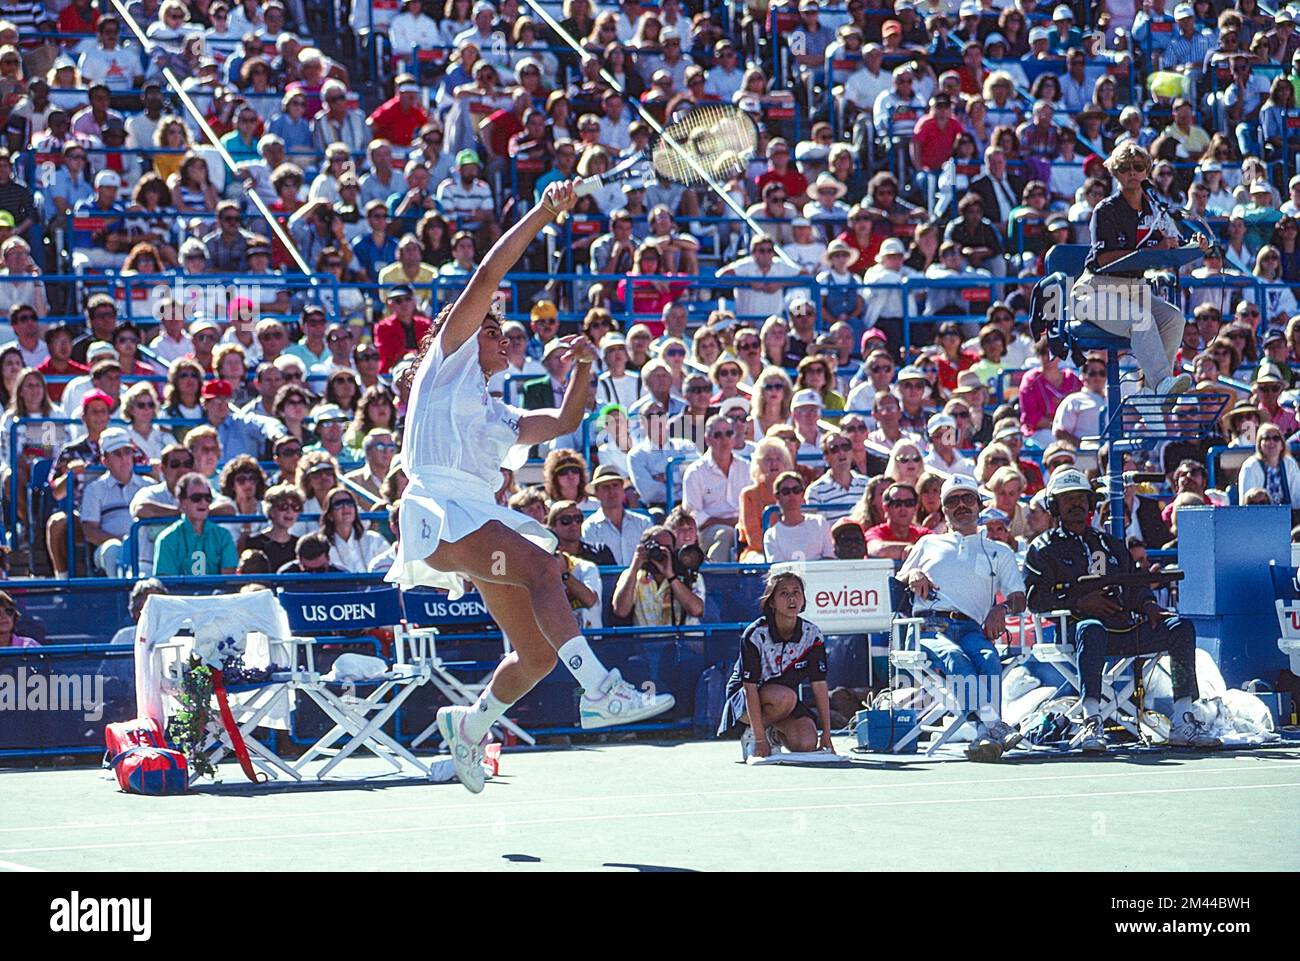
(686, 562)
(654, 551)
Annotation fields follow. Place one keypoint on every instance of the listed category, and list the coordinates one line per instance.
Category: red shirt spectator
(883, 532)
(74, 20)
(935, 135)
(69, 369)
(394, 340)
(399, 118)
(795, 183)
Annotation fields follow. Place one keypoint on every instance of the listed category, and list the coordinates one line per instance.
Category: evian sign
(846, 596)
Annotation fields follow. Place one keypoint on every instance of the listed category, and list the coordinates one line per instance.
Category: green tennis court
(687, 806)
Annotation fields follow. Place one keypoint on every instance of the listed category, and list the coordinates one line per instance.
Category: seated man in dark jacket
(1113, 621)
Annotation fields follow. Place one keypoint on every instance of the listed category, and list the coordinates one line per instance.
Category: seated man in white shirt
(796, 536)
(613, 527)
(955, 579)
(711, 490)
(106, 503)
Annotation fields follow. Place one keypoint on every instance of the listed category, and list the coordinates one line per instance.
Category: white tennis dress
(458, 437)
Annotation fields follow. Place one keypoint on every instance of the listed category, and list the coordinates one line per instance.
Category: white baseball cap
(107, 178)
(938, 422)
(806, 398)
(115, 438)
(892, 245)
(956, 484)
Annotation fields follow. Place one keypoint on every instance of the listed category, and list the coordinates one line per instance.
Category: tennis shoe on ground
(985, 748)
(1092, 739)
(1006, 735)
(618, 702)
(1189, 732)
(466, 756)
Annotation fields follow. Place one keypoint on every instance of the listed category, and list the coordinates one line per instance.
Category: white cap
(892, 245)
(115, 438)
(1063, 13)
(107, 178)
(956, 484)
(327, 413)
(1184, 10)
(1039, 33)
(806, 398)
(938, 422)
(1067, 479)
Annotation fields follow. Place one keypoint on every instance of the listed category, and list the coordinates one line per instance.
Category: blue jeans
(968, 659)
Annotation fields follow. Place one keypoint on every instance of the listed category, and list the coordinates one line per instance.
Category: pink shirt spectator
(19, 641)
(1039, 399)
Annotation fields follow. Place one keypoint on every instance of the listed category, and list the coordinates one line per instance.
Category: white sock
(483, 715)
(988, 714)
(60, 575)
(576, 654)
(1091, 707)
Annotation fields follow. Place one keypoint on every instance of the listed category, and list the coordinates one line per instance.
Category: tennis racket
(715, 141)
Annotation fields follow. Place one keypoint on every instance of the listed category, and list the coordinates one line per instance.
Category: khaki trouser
(1126, 307)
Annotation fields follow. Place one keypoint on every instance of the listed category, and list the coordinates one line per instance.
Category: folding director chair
(252, 706)
(358, 720)
(419, 632)
(939, 714)
(1119, 678)
(1286, 591)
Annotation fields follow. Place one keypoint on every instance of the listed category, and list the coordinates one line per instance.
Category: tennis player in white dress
(457, 439)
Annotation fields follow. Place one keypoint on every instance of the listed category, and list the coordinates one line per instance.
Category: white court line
(598, 799)
(635, 816)
(20, 868)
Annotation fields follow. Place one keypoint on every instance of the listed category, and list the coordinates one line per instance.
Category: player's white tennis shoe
(618, 702)
(466, 756)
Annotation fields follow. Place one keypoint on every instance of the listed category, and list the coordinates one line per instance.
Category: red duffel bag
(144, 764)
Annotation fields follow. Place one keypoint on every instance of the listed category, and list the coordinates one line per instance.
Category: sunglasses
(774, 387)
(910, 459)
(723, 433)
(787, 491)
(368, 355)
(289, 452)
(838, 448)
(675, 353)
(901, 502)
(202, 498)
(569, 520)
(145, 405)
(340, 504)
(286, 506)
(699, 389)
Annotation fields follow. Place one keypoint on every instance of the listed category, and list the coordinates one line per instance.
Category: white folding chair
(933, 699)
(422, 643)
(940, 714)
(251, 706)
(1119, 678)
(357, 720)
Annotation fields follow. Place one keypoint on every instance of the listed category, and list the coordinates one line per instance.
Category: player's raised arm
(472, 305)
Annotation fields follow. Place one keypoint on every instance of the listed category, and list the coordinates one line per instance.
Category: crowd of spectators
(796, 391)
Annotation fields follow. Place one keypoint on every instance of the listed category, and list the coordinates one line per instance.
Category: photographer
(654, 589)
(1114, 621)
(778, 653)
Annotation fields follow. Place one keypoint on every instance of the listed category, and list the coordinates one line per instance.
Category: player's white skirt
(444, 507)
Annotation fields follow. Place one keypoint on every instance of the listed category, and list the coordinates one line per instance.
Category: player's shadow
(649, 868)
